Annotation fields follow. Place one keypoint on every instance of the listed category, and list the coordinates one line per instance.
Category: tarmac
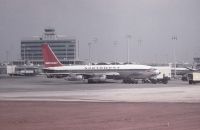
(43, 89)
(38, 103)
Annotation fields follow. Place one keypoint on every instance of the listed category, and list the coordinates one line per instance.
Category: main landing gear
(145, 81)
(130, 81)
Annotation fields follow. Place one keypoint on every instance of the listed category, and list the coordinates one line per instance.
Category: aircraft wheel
(90, 81)
(191, 82)
(125, 81)
(154, 81)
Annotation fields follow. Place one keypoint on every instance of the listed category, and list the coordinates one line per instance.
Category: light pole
(76, 52)
(174, 38)
(7, 57)
(94, 42)
(139, 48)
(77, 57)
(24, 60)
(115, 45)
(28, 53)
(128, 42)
(24, 54)
(89, 45)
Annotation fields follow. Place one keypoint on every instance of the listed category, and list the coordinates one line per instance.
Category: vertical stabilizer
(50, 59)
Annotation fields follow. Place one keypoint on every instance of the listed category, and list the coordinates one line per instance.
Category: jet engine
(74, 78)
(97, 79)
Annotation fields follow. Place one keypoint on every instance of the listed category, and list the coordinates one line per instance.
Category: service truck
(164, 76)
(194, 77)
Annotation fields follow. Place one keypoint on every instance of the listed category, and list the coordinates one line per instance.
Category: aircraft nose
(157, 72)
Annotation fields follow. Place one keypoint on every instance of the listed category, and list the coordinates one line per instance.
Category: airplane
(129, 73)
(192, 69)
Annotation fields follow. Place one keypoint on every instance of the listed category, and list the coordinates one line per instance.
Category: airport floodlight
(89, 46)
(128, 49)
(115, 43)
(174, 38)
(95, 40)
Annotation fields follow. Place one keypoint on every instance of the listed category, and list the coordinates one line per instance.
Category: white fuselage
(135, 71)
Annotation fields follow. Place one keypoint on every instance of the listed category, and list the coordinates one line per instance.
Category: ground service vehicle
(194, 77)
(164, 76)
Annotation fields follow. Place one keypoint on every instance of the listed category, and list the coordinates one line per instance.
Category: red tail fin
(50, 59)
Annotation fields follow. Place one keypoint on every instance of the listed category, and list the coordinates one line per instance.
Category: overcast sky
(151, 24)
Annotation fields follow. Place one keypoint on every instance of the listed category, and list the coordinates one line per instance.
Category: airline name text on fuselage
(101, 67)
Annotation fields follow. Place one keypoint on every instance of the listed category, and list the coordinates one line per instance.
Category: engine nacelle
(75, 78)
(97, 79)
(55, 76)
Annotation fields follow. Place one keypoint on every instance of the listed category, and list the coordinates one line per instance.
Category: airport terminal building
(31, 52)
(63, 47)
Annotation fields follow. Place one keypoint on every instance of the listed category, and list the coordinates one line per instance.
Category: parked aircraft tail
(50, 59)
